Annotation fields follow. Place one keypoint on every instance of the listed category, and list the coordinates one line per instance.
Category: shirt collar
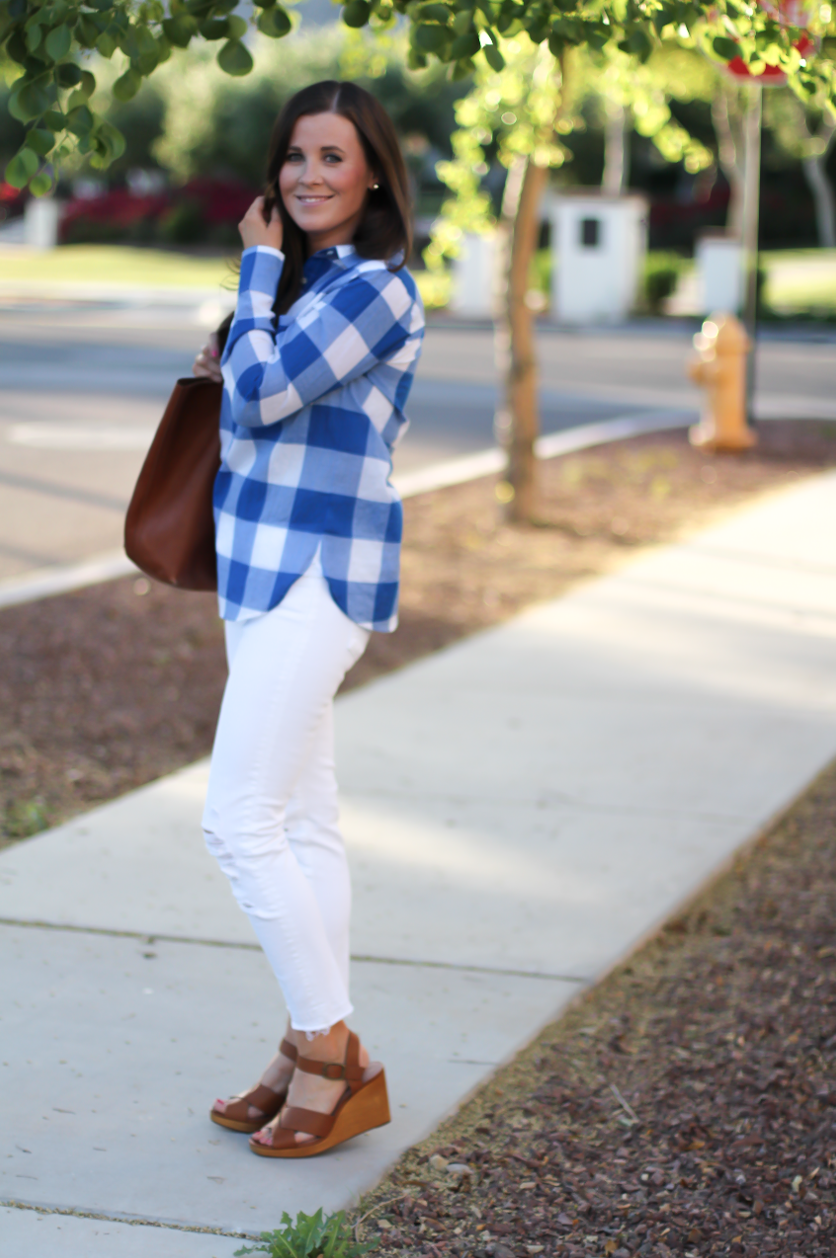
(340, 253)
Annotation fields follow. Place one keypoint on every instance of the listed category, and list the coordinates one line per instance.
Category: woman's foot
(308, 1091)
(276, 1078)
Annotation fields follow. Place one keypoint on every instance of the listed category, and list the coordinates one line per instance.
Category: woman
(317, 367)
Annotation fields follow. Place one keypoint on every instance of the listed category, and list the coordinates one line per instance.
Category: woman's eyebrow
(331, 148)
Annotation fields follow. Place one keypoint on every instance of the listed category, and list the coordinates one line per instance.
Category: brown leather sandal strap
(353, 1070)
(325, 1069)
(262, 1097)
(350, 1070)
(288, 1050)
(307, 1120)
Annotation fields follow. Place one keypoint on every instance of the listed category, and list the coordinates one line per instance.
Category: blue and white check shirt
(312, 408)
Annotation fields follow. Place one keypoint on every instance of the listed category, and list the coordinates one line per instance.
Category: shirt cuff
(261, 269)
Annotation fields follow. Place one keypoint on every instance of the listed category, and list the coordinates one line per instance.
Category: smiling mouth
(312, 200)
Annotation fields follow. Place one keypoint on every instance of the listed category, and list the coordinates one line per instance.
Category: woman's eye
(333, 157)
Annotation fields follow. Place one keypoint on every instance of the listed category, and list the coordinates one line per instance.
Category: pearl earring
(375, 187)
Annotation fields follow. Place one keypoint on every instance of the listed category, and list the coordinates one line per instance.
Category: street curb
(61, 579)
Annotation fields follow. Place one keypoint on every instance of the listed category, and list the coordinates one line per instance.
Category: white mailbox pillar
(719, 273)
(598, 248)
(474, 277)
(41, 217)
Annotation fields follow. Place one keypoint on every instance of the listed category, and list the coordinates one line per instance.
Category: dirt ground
(686, 1105)
(106, 688)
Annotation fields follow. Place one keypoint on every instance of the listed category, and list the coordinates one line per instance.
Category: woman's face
(325, 179)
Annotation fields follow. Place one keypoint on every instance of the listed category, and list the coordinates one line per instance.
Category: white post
(475, 278)
(40, 222)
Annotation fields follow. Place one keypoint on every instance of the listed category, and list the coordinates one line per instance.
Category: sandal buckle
(333, 1070)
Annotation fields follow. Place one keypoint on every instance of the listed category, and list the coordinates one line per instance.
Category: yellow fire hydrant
(720, 369)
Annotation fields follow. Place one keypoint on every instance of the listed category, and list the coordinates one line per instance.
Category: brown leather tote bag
(169, 528)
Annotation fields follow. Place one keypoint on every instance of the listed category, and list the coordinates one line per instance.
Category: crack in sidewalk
(360, 958)
(131, 1219)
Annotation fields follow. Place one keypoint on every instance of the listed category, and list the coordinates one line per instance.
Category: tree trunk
(730, 153)
(815, 172)
(616, 176)
(520, 421)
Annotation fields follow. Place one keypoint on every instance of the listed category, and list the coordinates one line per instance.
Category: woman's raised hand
(208, 361)
(254, 230)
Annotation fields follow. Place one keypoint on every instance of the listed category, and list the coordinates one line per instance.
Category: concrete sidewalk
(521, 810)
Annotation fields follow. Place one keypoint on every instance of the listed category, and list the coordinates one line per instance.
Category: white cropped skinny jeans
(271, 816)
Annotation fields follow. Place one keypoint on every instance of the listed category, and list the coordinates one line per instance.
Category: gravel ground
(104, 689)
(685, 1105)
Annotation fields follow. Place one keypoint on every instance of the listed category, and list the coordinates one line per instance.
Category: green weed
(24, 818)
(311, 1236)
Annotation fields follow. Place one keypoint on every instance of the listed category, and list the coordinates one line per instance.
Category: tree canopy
(52, 45)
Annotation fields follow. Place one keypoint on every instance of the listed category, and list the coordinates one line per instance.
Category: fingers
(255, 229)
(207, 362)
(255, 214)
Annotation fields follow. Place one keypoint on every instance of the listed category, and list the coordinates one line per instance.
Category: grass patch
(115, 264)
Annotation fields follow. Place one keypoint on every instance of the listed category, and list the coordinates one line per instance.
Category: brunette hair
(385, 229)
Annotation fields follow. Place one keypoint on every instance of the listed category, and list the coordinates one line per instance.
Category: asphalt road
(82, 388)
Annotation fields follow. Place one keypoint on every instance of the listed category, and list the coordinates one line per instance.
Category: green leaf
(21, 168)
(235, 59)
(215, 28)
(274, 22)
(33, 38)
(147, 62)
(58, 42)
(127, 86)
(68, 75)
(463, 69)
(725, 48)
(145, 41)
(41, 184)
(101, 5)
(179, 30)
(16, 48)
(54, 119)
(494, 57)
(356, 13)
(86, 85)
(464, 46)
(112, 140)
(237, 26)
(30, 100)
(106, 44)
(434, 13)
(80, 121)
(416, 60)
(429, 38)
(86, 31)
(639, 43)
(40, 141)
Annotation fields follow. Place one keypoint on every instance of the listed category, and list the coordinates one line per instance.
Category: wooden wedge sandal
(363, 1105)
(235, 1116)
